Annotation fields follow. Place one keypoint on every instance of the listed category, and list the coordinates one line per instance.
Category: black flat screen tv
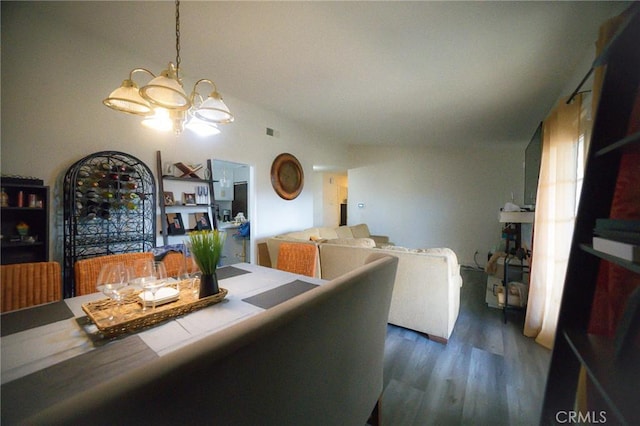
(532, 159)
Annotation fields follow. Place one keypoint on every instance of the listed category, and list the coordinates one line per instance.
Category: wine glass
(200, 191)
(139, 272)
(111, 279)
(150, 276)
(159, 279)
(186, 273)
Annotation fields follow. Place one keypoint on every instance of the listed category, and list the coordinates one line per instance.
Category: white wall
(53, 83)
(435, 197)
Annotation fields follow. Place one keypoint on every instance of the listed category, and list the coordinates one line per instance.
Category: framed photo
(168, 199)
(174, 224)
(189, 198)
(202, 221)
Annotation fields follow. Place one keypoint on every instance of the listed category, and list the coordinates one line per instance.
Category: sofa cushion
(305, 234)
(357, 242)
(394, 248)
(360, 231)
(344, 232)
(327, 233)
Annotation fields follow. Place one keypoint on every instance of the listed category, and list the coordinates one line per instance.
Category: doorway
(231, 191)
(331, 200)
(240, 198)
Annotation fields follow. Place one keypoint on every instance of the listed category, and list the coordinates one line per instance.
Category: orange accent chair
(87, 270)
(30, 284)
(298, 258)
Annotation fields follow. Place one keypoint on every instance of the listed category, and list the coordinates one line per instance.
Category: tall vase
(208, 285)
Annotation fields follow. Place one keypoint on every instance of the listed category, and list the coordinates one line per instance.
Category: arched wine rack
(109, 208)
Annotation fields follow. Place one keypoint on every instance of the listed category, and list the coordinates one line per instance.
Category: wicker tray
(130, 317)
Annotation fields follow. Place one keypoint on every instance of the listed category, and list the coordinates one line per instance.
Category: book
(626, 251)
(607, 224)
(621, 236)
(626, 231)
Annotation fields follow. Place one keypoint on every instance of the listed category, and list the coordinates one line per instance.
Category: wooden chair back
(30, 284)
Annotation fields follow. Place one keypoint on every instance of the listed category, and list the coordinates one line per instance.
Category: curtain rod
(632, 13)
(575, 92)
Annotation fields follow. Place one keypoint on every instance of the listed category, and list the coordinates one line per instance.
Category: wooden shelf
(36, 217)
(629, 143)
(616, 381)
(9, 244)
(186, 179)
(613, 259)
(168, 206)
(22, 208)
(175, 208)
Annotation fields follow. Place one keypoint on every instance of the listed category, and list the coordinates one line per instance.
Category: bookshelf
(609, 364)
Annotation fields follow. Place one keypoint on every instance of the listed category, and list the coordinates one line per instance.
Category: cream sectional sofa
(426, 294)
(356, 235)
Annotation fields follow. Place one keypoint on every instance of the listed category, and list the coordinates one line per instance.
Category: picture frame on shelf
(202, 221)
(189, 198)
(168, 199)
(175, 226)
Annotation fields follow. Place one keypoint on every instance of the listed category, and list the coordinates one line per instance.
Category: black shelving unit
(32, 210)
(209, 208)
(612, 364)
(109, 208)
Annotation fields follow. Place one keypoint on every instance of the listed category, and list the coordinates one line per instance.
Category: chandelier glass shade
(126, 98)
(164, 103)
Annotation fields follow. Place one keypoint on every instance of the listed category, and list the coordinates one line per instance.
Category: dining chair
(30, 284)
(173, 262)
(263, 255)
(298, 258)
(87, 270)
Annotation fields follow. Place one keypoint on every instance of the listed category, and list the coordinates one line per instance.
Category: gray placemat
(30, 394)
(277, 295)
(229, 272)
(25, 319)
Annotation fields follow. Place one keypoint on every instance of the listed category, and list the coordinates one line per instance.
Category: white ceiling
(439, 73)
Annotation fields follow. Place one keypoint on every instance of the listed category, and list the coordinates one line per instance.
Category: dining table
(51, 352)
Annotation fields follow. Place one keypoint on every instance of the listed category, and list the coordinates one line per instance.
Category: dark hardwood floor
(489, 373)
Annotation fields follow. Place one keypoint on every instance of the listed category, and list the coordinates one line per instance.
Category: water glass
(111, 279)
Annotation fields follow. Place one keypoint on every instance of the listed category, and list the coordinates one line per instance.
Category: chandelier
(164, 103)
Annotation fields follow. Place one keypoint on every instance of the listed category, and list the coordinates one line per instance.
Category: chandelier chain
(177, 38)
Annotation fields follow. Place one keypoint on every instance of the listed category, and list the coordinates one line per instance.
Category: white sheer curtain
(558, 186)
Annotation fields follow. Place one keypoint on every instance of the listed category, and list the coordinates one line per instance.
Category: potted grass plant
(206, 249)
